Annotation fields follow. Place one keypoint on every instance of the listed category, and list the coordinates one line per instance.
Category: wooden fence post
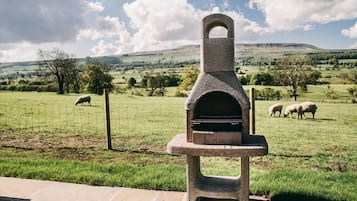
(252, 112)
(107, 115)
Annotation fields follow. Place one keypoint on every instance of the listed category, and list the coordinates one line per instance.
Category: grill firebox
(217, 109)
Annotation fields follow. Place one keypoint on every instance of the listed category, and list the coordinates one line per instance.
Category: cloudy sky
(108, 27)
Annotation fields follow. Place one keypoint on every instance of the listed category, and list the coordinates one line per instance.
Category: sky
(111, 27)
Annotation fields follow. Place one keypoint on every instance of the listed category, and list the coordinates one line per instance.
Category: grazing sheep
(82, 99)
(309, 107)
(290, 109)
(277, 107)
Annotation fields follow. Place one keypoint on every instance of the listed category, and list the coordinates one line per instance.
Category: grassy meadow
(44, 136)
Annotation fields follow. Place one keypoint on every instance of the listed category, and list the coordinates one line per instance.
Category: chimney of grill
(217, 54)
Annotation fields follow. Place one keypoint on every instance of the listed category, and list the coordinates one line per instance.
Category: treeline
(62, 73)
(154, 83)
(151, 65)
(333, 54)
(273, 79)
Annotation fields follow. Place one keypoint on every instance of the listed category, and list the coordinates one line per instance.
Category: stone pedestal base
(201, 186)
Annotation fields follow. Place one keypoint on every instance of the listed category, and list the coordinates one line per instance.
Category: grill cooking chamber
(217, 109)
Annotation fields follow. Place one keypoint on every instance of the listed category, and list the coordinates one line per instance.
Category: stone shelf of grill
(256, 146)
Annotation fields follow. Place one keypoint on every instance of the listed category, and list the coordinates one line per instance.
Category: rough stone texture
(199, 185)
(212, 137)
(217, 54)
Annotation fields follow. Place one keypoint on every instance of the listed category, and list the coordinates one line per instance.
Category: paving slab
(15, 189)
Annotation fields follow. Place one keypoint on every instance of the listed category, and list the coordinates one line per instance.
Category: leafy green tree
(96, 77)
(189, 77)
(131, 82)
(292, 71)
(60, 64)
(313, 76)
(245, 79)
(262, 78)
(156, 84)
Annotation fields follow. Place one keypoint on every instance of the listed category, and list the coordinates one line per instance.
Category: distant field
(44, 136)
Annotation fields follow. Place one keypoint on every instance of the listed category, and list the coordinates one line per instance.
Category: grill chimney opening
(218, 32)
(217, 111)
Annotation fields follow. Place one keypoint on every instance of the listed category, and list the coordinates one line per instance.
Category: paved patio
(14, 189)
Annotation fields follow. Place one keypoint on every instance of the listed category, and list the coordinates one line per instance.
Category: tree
(292, 71)
(96, 77)
(131, 82)
(353, 92)
(189, 77)
(330, 93)
(157, 84)
(60, 64)
(262, 78)
(72, 78)
(313, 76)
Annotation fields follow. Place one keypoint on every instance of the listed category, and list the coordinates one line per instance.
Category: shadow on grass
(12, 199)
(297, 197)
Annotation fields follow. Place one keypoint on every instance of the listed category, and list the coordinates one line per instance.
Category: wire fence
(139, 123)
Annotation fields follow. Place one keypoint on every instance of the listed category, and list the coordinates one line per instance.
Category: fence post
(107, 115)
(252, 111)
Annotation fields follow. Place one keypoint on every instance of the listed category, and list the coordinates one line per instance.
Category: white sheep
(277, 107)
(309, 107)
(290, 109)
(82, 99)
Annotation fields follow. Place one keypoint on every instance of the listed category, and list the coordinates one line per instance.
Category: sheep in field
(309, 107)
(277, 107)
(290, 109)
(82, 99)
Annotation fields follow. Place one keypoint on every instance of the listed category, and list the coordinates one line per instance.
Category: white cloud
(112, 26)
(157, 23)
(21, 51)
(291, 14)
(95, 6)
(354, 45)
(161, 24)
(112, 34)
(351, 32)
(105, 27)
(92, 34)
(103, 48)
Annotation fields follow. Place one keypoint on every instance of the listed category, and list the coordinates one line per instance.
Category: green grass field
(44, 136)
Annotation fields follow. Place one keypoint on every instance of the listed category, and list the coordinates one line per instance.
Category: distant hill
(242, 51)
(249, 53)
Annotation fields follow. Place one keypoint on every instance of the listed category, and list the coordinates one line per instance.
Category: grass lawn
(44, 136)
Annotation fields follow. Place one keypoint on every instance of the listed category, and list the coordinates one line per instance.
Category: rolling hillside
(247, 53)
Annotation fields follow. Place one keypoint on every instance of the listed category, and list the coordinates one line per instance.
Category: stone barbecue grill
(217, 109)
(217, 120)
